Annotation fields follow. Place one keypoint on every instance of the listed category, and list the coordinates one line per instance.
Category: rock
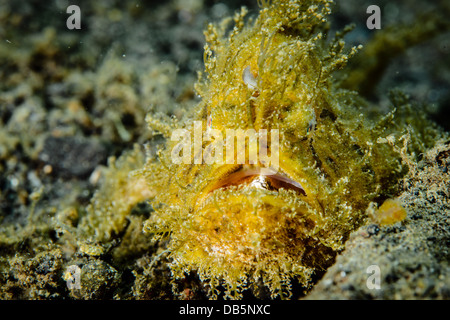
(72, 157)
(411, 257)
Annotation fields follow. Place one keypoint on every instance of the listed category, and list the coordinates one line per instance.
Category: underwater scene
(211, 150)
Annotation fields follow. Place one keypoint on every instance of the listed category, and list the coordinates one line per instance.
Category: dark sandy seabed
(69, 99)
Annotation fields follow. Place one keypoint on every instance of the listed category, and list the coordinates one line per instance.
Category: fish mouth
(258, 178)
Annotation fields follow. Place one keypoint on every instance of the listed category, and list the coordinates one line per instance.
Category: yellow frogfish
(264, 181)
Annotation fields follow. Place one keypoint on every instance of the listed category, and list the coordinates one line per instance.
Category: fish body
(239, 222)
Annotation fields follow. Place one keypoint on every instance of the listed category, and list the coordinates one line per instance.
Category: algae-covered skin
(232, 223)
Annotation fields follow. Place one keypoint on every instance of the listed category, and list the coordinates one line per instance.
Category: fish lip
(267, 178)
